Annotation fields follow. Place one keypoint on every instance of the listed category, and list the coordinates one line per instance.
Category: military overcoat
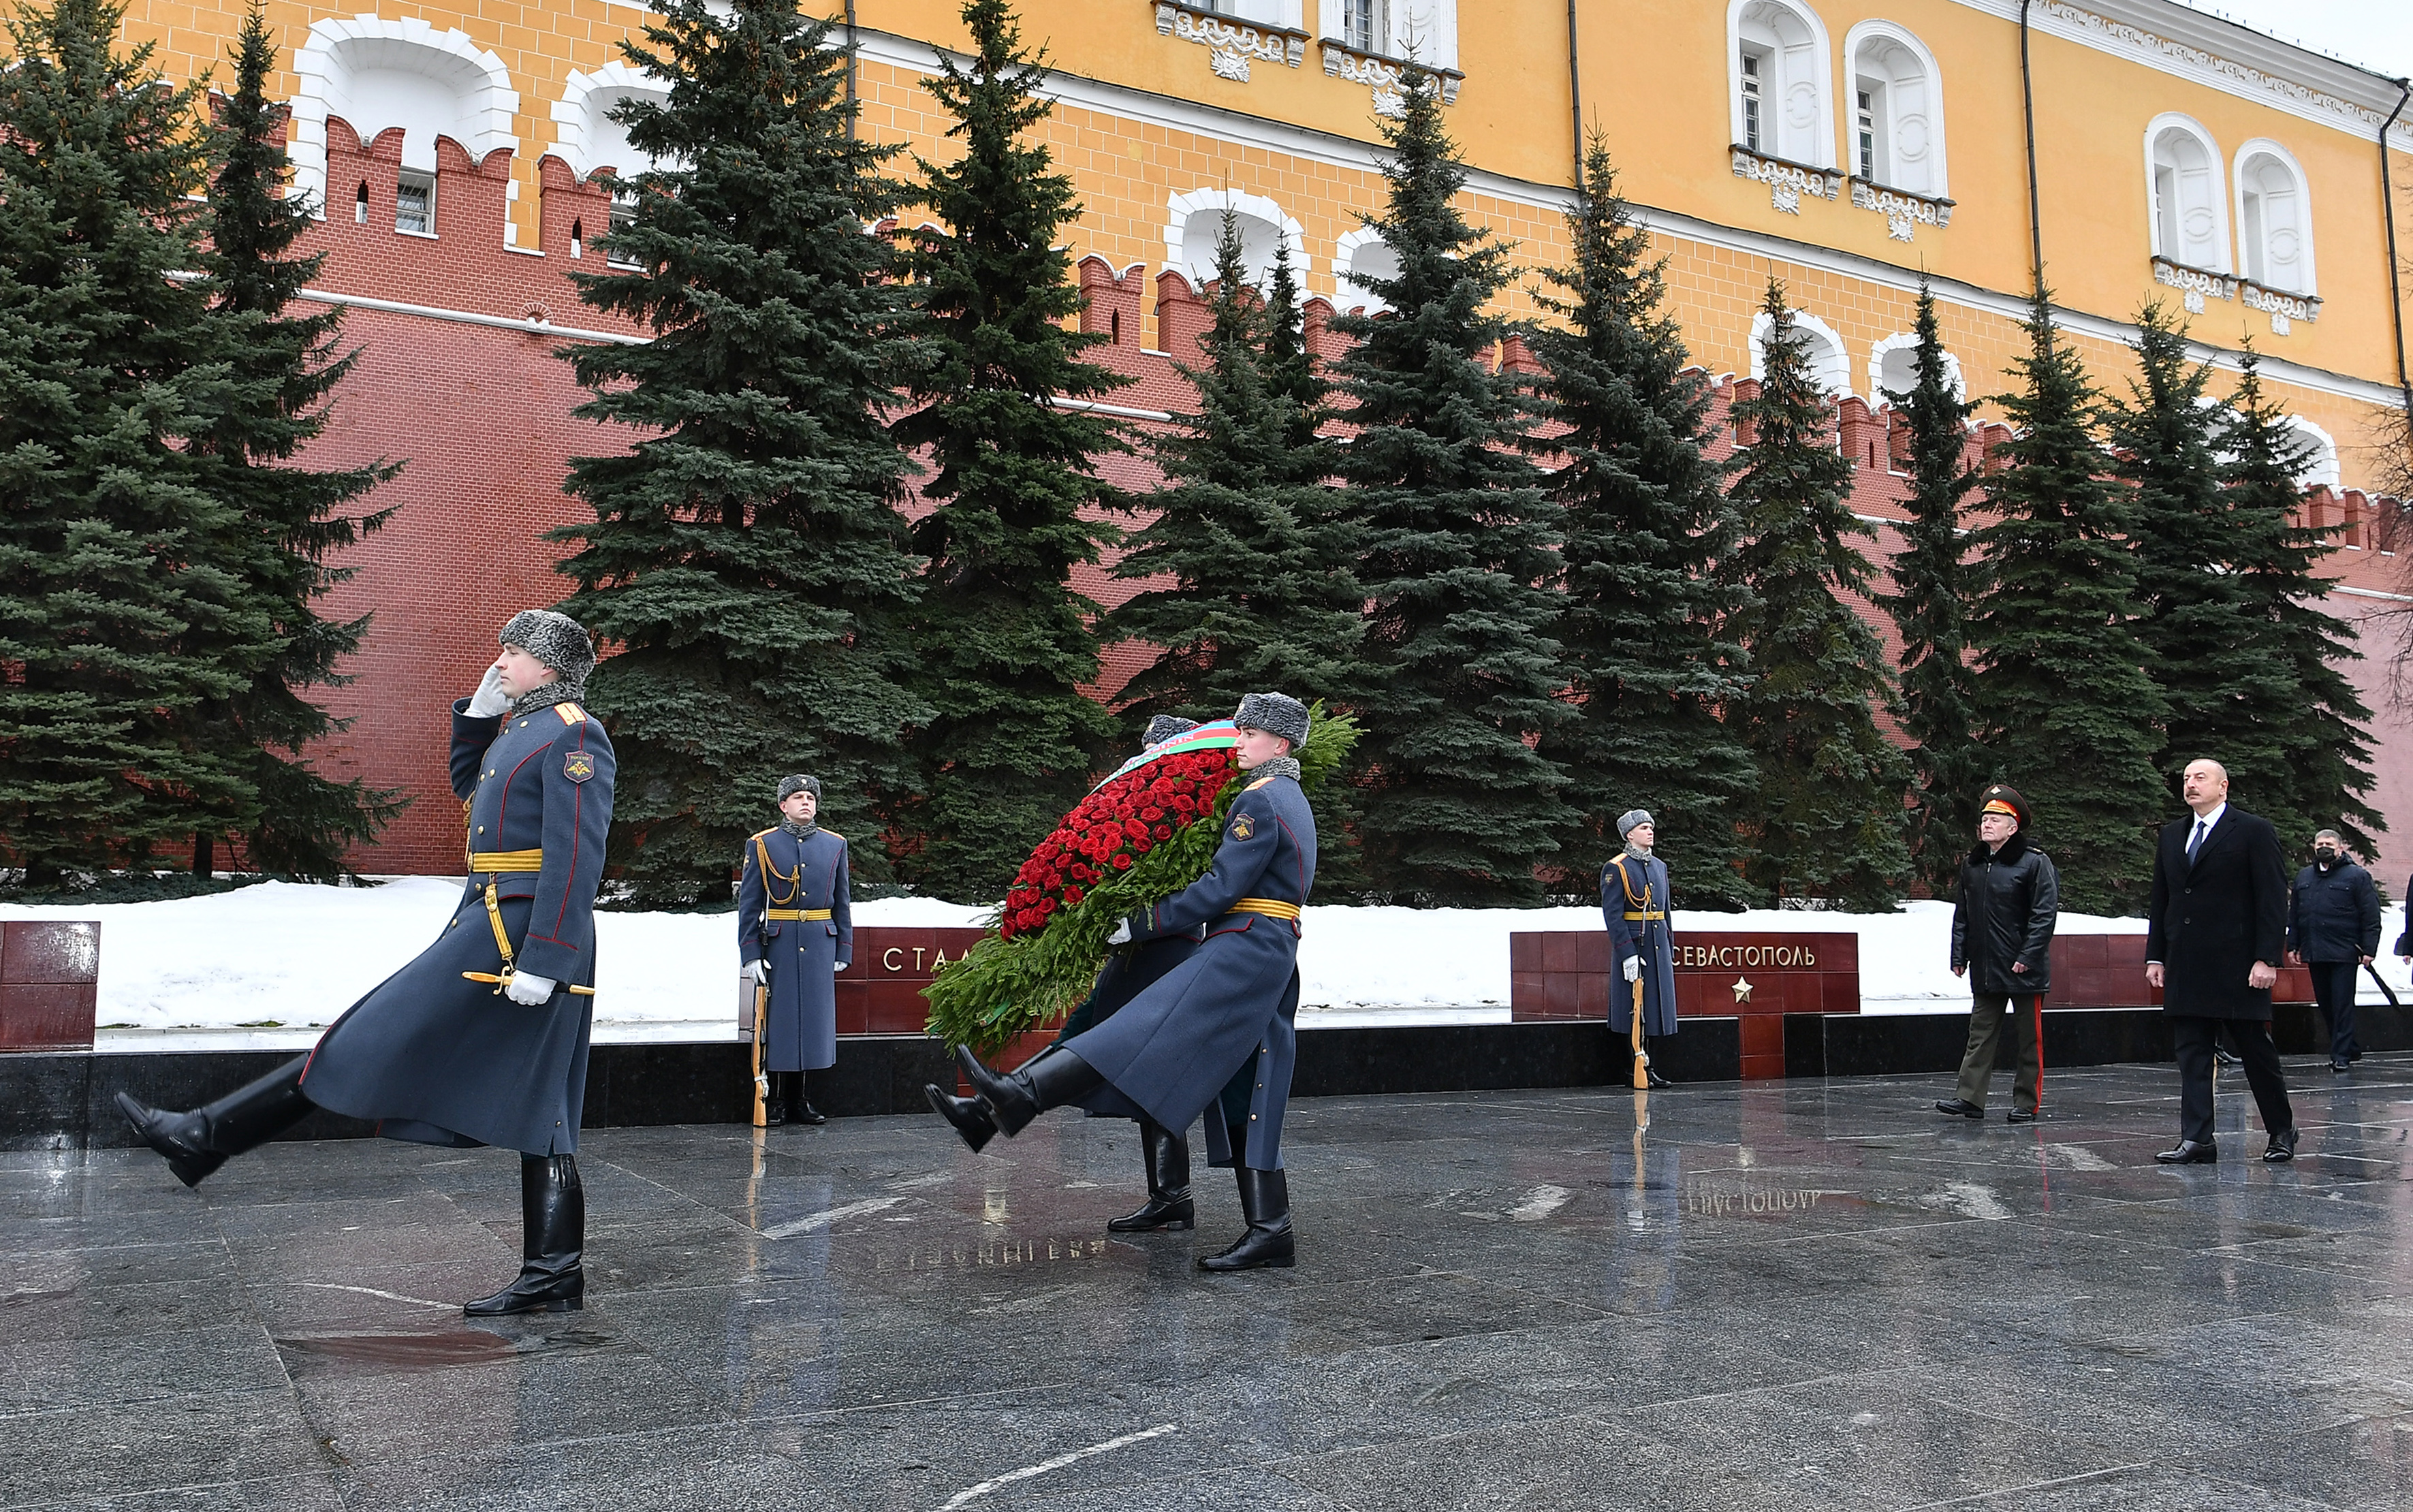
(1130, 969)
(1176, 1045)
(775, 925)
(431, 1056)
(1633, 900)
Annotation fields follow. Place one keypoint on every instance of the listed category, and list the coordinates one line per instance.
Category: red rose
(1073, 897)
(1133, 828)
(1122, 863)
(1151, 813)
(1164, 832)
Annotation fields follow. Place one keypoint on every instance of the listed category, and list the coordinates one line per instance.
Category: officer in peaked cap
(482, 1038)
(795, 931)
(1215, 1035)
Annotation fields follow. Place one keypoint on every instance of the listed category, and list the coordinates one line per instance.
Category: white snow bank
(270, 964)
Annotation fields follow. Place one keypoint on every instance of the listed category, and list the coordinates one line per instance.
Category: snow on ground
(270, 964)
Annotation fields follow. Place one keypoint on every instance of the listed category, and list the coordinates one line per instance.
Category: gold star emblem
(1742, 989)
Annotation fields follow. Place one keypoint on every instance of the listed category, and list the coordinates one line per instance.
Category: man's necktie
(2194, 841)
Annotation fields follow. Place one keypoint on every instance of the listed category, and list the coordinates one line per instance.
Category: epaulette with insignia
(1258, 783)
(570, 713)
(762, 833)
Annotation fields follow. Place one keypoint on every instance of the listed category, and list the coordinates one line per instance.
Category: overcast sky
(2376, 34)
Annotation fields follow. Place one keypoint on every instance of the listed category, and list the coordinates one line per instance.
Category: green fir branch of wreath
(1003, 988)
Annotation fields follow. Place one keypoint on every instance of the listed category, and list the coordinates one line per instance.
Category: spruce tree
(1829, 819)
(2069, 716)
(285, 519)
(108, 383)
(2181, 536)
(747, 557)
(2300, 735)
(1260, 596)
(1932, 582)
(1005, 644)
(1459, 673)
(1645, 520)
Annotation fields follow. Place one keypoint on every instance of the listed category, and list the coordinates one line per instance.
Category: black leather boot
(199, 1142)
(1169, 1204)
(1014, 1099)
(800, 1108)
(1264, 1197)
(553, 1239)
(774, 1099)
(1651, 1070)
(970, 1120)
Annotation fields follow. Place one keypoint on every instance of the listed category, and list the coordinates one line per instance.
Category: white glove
(489, 699)
(753, 971)
(529, 988)
(1122, 933)
(838, 966)
(1634, 968)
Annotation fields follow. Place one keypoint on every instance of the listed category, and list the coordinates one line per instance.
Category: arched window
(1363, 254)
(2318, 466)
(1194, 219)
(1778, 53)
(1819, 343)
(584, 132)
(377, 74)
(2274, 224)
(2190, 220)
(1425, 30)
(1897, 116)
(1893, 368)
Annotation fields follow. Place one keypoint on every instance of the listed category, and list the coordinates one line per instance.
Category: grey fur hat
(1164, 727)
(799, 783)
(557, 640)
(1276, 714)
(1634, 819)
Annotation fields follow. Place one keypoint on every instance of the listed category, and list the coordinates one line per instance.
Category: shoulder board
(762, 833)
(570, 713)
(1258, 783)
(834, 835)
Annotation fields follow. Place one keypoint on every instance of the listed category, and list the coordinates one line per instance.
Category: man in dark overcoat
(2334, 933)
(796, 931)
(1175, 1048)
(482, 1038)
(2003, 926)
(1634, 903)
(2215, 930)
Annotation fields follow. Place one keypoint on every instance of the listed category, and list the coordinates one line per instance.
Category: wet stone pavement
(1798, 1295)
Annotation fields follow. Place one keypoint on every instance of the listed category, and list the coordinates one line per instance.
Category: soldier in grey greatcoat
(1634, 903)
(1219, 1017)
(796, 931)
(482, 1038)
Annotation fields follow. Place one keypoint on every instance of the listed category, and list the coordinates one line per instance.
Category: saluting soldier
(1174, 1047)
(481, 1039)
(796, 931)
(1633, 901)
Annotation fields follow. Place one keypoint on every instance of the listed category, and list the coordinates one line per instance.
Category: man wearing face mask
(2002, 941)
(482, 1038)
(796, 931)
(2334, 932)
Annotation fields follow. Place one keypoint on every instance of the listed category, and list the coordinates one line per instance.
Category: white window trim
(569, 113)
(1897, 342)
(1823, 52)
(2324, 472)
(1346, 295)
(1180, 208)
(1837, 376)
(2265, 147)
(1435, 49)
(1891, 32)
(2221, 235)
(492, 108)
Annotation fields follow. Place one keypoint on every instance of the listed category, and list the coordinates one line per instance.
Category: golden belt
(493, 863)
(500, 861)
(777, 915)
(1272, 908)
(1649, 914)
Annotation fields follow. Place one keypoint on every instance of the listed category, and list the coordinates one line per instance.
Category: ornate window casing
(1237, 34)
(1902, 147)
(1193, 220)
(2189, 219)
(1787, 182)
(584, 135)
(1818, 340)
(1365, 253)
(377, 74)
(1894, 367)
(1369, 42)
(1779, 62)
(2274, 222)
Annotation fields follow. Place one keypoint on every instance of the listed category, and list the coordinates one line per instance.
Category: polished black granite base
(1796, 1295)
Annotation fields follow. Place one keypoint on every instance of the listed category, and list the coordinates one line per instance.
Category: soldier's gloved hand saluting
(489, 699)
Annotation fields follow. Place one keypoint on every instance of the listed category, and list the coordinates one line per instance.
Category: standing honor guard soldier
(481, 1039)
(796, 931)
(1633, 901)
(1172, 1048)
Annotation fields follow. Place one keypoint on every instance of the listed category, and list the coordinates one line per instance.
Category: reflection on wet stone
(1718, 1295)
